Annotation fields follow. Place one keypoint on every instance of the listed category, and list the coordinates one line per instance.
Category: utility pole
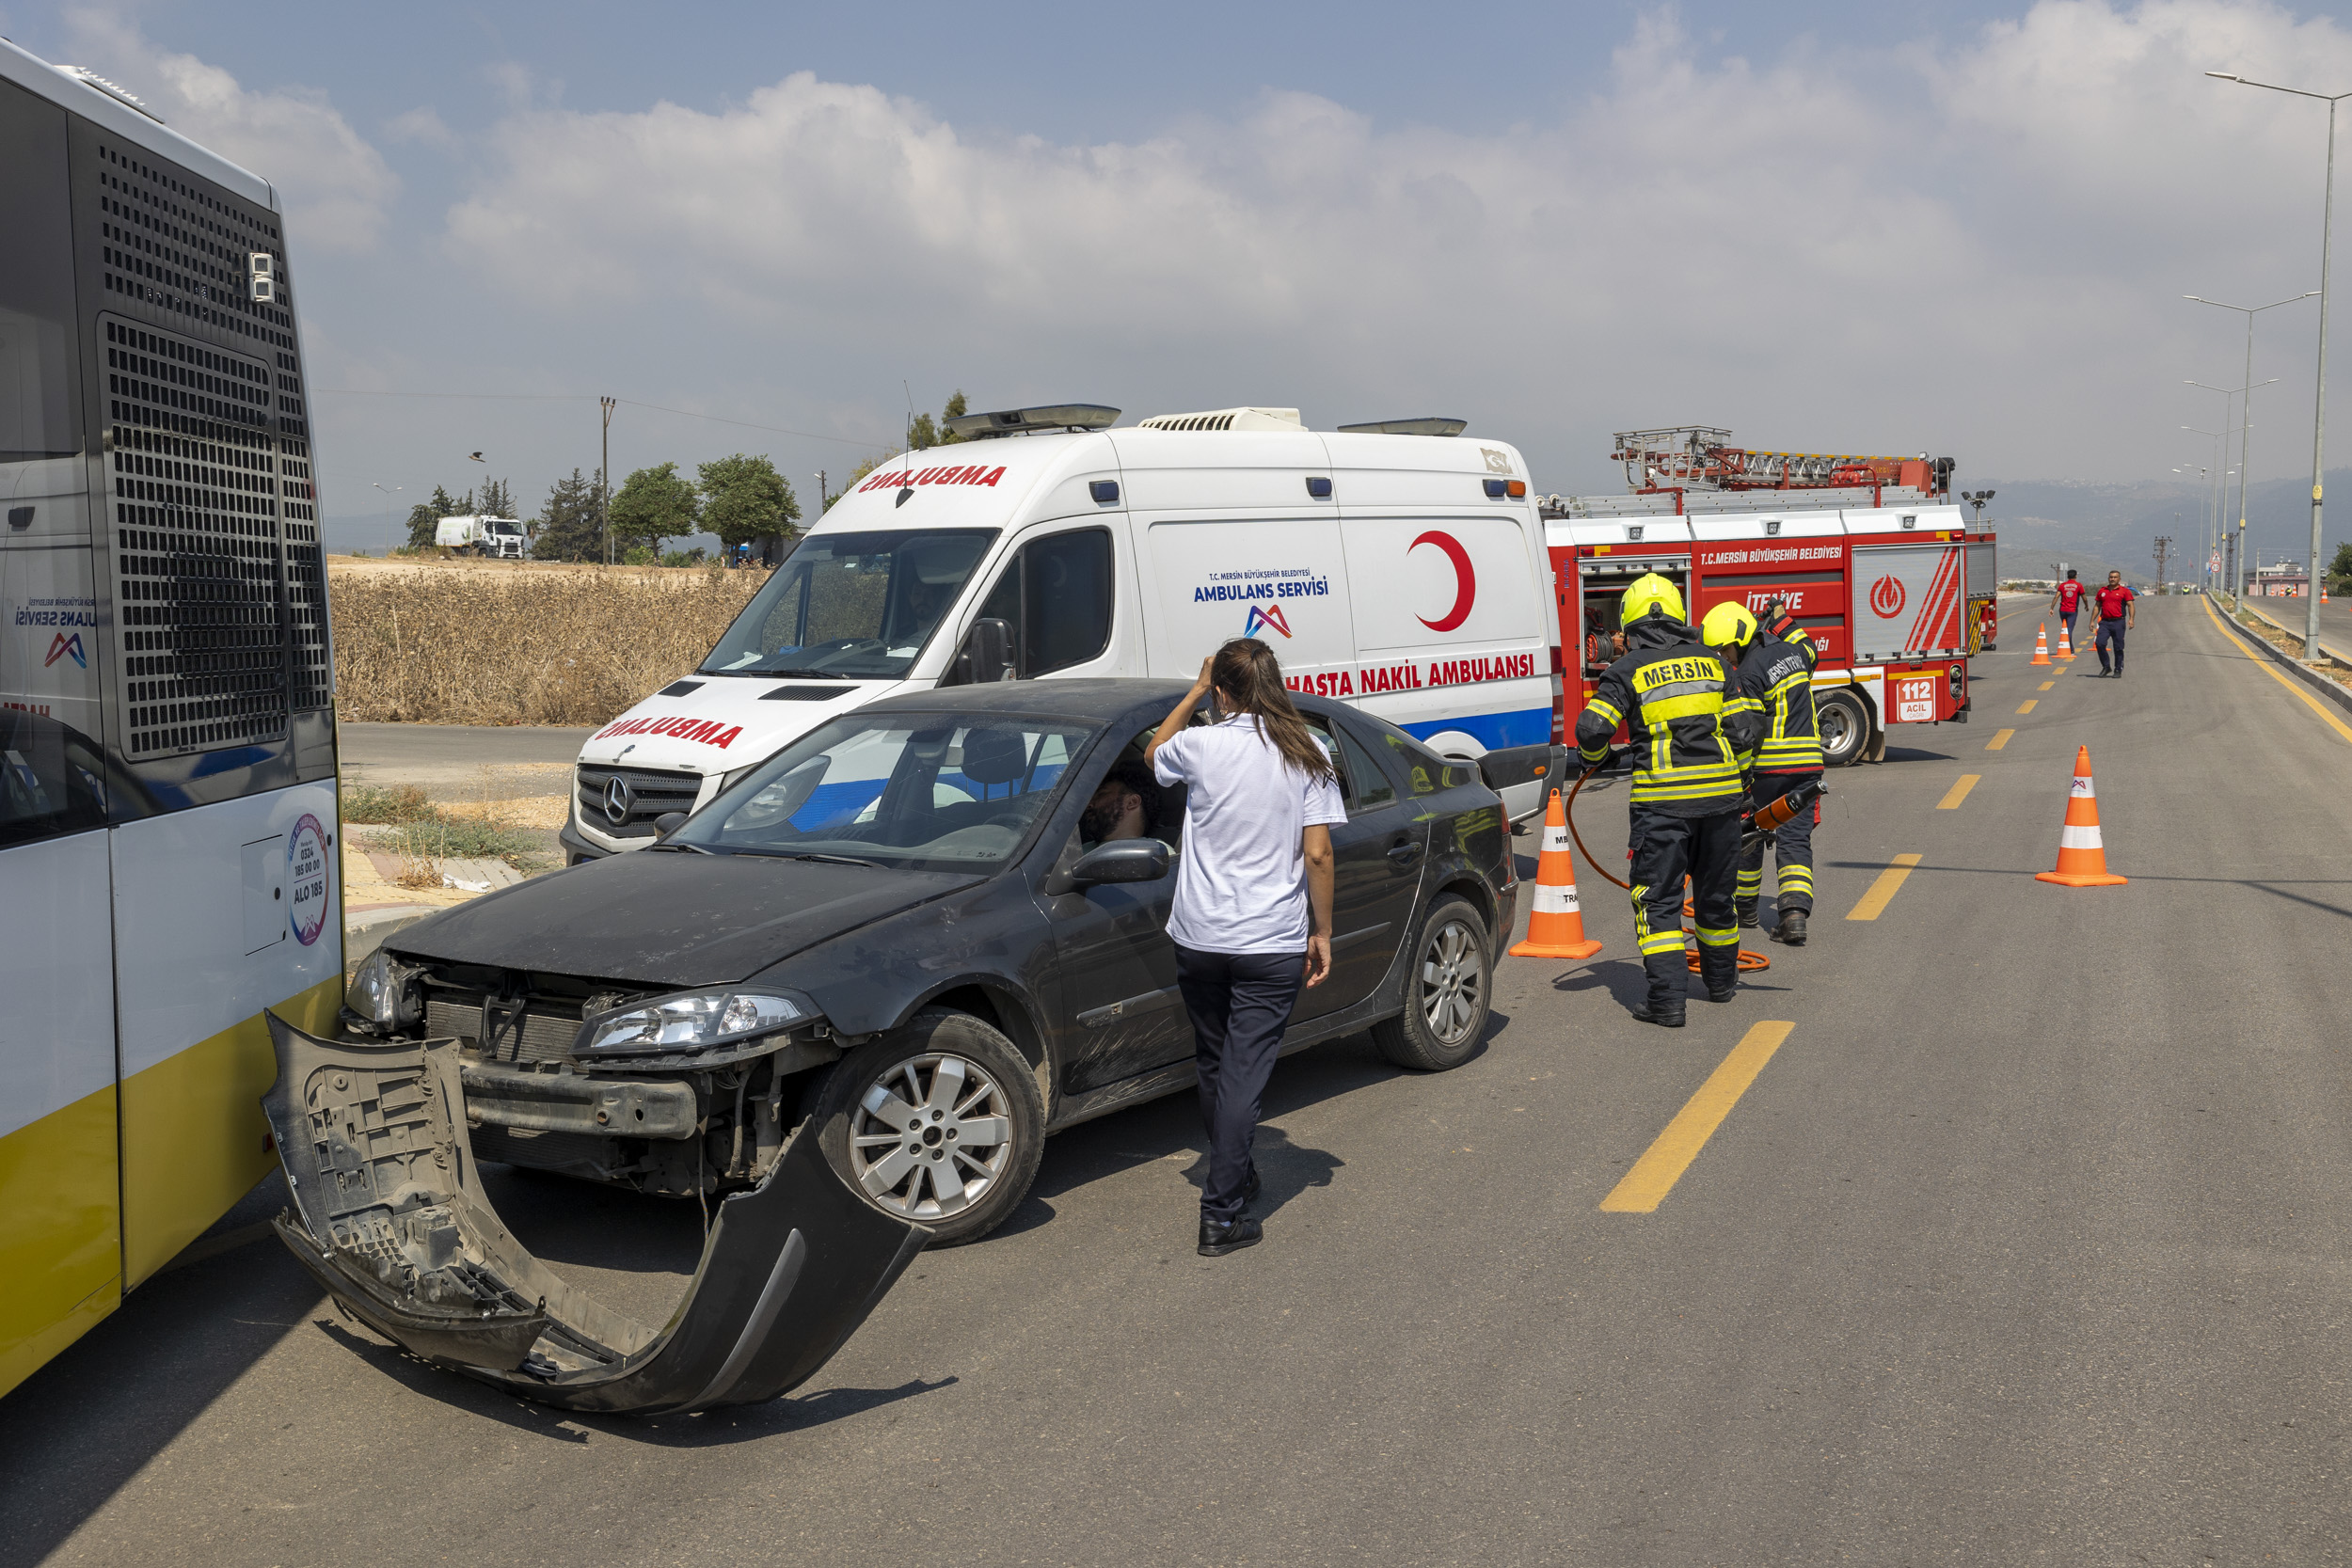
(2164, 546)
(604, 479)
(823, 501)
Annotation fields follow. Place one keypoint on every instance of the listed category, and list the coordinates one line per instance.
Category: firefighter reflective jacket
(1778, 677)
(1692, 730)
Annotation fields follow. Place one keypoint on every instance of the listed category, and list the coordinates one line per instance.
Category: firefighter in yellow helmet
(1692, 734)
(1773, 666)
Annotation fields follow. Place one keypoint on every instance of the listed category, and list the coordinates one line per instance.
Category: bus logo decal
(62, 647)
(306, 879)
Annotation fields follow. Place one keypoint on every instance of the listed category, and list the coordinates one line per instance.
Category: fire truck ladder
(1701, 457)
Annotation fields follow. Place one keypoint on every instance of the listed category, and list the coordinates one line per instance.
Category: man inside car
(1125, 805)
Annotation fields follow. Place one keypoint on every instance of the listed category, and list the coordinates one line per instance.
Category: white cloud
(336, 186)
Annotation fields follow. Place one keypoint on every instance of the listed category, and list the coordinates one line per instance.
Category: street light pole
(388, 506)
(2245, 433)
(2319, 409)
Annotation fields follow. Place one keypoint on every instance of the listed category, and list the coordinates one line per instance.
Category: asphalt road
(445, 757)
(2032, 1242)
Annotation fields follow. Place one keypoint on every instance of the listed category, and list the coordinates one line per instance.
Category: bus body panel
(60, 1240)
(216, 901)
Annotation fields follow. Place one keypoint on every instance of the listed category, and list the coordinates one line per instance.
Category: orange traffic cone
(1555, 928)
(2066, 643)
(2082, 858)
(2042, 644)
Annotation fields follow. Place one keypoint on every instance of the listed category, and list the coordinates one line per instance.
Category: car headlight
(384, 994)
(693, 1021)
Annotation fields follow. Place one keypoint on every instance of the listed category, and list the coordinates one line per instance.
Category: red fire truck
(1870, 555)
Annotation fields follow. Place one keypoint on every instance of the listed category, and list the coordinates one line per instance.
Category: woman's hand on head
(1206, 680)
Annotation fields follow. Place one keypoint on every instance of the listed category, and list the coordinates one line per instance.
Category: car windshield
(854, 606)
(925, 792)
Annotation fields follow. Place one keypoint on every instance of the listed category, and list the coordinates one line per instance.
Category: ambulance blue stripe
(1526, 726)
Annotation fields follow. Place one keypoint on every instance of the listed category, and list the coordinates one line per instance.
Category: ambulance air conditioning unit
(1228, 418)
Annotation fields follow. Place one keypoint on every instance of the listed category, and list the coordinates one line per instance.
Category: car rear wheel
(939, 1123)
(1844, 726)
(1447, 991)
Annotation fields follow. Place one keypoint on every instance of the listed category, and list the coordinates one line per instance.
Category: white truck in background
(501, 537)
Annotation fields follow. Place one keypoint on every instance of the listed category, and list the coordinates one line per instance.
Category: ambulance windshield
(851, 606)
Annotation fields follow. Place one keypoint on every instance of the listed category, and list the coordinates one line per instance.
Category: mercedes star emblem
(618, 797)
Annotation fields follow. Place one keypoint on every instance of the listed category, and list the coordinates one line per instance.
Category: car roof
(1086, 699)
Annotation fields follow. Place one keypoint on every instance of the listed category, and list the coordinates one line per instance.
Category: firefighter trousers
(1666, 850)
(1792, 848)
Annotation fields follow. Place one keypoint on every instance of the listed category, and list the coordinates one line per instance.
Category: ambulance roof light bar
(1033, 421)
(1407, 427)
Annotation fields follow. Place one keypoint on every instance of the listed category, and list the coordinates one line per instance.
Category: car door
(1377, 855)
(1119, 970)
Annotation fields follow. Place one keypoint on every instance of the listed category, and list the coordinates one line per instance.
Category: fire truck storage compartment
(1799, 559)
(1911, 602)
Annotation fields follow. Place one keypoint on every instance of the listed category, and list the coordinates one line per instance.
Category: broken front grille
(624, 802)
(534, 1029)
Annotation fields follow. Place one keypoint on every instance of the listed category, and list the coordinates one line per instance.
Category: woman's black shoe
(1217, 1239)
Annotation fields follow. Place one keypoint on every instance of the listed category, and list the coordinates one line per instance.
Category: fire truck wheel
(1843, 725)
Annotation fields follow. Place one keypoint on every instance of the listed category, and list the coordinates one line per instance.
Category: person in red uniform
(2068, 604)
(2118, 612)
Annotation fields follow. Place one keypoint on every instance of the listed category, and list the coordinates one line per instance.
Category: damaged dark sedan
(899, 931)
(850, 998)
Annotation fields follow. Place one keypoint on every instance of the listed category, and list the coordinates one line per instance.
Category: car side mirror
(668, 823)
(1126, 859)
(987, 654)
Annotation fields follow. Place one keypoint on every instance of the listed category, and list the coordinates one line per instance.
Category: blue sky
(1832, 226)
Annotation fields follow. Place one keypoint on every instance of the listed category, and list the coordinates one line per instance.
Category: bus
(167, 802)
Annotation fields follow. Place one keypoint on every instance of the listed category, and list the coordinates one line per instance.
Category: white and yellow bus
(167, 816)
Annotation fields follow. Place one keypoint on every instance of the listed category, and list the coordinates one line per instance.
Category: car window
(1426, 772)
(1368, 788)
(928, 792)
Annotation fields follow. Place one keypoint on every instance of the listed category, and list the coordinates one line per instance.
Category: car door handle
(1404, 851)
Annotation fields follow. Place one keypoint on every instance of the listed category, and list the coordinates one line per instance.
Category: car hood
(718, 723)
(667, 918)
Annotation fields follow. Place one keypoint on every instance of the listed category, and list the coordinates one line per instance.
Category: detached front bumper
(571, 1103)
(390, 1218)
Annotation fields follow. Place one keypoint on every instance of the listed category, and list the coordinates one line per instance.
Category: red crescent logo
(1464, 580)
(1886, 599)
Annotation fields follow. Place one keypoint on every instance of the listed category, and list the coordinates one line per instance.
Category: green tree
(425, 516)
(570, 529)
(745, 498)
(923, 432)
(498, 499)
(653, 505)
(2341, 565)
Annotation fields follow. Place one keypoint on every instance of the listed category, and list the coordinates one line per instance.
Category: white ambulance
(1397, 566)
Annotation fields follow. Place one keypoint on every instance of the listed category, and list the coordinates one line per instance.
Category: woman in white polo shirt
(1253, 915)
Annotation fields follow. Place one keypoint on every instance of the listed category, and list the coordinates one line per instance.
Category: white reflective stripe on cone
(1556, 900)
(1555, 841)
(2079, 838)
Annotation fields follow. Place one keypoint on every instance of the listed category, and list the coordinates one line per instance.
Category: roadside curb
(2334, 691)
(364, 932)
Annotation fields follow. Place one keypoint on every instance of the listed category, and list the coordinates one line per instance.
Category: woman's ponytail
(1246, 675)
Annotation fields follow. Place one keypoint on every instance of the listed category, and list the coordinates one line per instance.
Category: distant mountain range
(2099, 528)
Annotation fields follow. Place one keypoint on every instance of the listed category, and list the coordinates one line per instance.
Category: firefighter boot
(1719, 967)
(1669, 977)
(1746, 907)
(1793, 927)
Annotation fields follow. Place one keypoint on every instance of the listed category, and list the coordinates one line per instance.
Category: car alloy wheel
(932, 1137)
(1453, 982)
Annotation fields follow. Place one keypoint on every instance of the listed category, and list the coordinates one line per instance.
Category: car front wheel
(939, 1123)
(1447, 991)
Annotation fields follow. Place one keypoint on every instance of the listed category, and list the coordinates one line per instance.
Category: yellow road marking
(1882, 891)
(1959, 792)
(2045, 685)
(2026, 706)
(1999, 740)
(1670, 1154)
(2267, 668)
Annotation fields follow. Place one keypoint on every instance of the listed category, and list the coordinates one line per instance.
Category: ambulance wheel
(940, 1122)
(1447, 990)
(1843, 725)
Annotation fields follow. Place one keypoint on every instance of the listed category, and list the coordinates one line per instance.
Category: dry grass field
(519, 642)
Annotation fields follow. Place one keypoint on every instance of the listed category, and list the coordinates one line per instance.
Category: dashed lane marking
(2045, 685)
(1882, 891)
(1999, 740)
(1959, 792)
(2265, 665)
(2026, 706)
(1670, 1154)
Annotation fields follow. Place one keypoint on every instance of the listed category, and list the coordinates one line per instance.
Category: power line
(582, 397)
